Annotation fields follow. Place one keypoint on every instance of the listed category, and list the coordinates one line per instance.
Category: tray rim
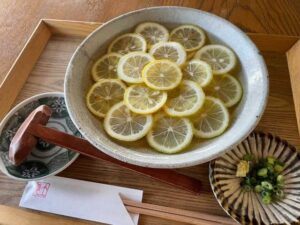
(46, 28)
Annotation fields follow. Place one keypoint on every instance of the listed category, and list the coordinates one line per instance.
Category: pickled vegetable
(262, 176)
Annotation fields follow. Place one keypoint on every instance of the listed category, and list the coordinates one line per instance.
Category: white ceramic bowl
(252, 74)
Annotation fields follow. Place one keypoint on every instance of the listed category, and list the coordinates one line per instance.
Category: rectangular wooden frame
(26, 60)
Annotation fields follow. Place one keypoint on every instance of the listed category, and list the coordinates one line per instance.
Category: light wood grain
(279, 119)
(179, 215)
(293, 56)
(18, 74)
(15, 216)
(71, 28)
(172, 217)
(19, 18)
(267, 42)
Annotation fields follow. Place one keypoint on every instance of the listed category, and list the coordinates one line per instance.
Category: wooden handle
(84, 147)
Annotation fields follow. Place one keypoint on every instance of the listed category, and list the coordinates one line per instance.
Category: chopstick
(174, 214)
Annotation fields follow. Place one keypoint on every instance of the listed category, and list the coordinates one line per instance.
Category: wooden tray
(41, 65)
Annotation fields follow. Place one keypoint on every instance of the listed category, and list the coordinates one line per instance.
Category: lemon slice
(152, 32)
(131, 65)
(184, 100)
(191, 37)
(106, 67)
(170, 134)
(226, 88)
(129, 42)
(124, 125)
(213, 119)
(172, 51)
(220, 58)
(144, 100)
(103, 95)
(162, 75)
(197, 71)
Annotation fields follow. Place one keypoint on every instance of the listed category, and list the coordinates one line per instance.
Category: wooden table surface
(19, 18)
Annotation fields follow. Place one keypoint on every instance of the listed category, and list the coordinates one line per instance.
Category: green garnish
(278, 168)
(266, 197)
(280, 179)
(262, 172)
(262, 176)
(258, 188)
(266, 185)
(271, 160)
